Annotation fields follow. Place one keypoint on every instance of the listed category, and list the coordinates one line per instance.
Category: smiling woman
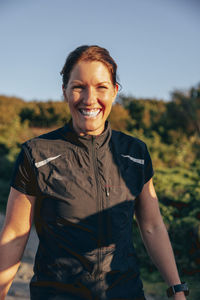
(90, 94)
(82, 184)
(89, 87)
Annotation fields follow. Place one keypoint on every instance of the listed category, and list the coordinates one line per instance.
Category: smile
(90, 112)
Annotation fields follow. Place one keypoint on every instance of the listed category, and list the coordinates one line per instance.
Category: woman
(82, 184)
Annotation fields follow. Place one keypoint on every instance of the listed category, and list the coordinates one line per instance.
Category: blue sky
(155, 43)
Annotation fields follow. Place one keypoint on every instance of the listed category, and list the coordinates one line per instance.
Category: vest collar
(87, 140)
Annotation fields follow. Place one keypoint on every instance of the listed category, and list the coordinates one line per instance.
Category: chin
(91, 130)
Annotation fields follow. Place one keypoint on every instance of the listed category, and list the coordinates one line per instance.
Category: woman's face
(90, 94)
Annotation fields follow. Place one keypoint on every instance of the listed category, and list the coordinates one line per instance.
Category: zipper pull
(107, 191)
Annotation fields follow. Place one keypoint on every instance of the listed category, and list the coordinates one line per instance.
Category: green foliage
(45, 114)
(119, 117)
(179, 192)
(146, 114)
(184, 110)
(9, 109)
(11, 135)
(171, 120)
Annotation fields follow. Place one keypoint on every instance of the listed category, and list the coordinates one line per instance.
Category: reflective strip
(44, 162)
(137, 160)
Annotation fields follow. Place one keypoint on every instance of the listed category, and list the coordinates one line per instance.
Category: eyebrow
(76, 81)
(81, 82)
(103, 82)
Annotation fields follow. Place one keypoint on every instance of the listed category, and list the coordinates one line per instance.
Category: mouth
(90, 113)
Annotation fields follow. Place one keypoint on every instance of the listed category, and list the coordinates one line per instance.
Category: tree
(119, 117)
(184, 110)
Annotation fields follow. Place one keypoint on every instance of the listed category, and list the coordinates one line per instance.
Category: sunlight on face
(90, 94)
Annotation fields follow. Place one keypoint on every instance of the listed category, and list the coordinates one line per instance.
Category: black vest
(86, 189)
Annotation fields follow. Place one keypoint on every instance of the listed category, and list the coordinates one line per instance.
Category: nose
(89, 96)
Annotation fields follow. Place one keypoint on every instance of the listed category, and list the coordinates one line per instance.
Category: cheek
(73, 98)
(107, 109)
(108, 101)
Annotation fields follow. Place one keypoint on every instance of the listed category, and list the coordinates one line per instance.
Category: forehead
(90, 69)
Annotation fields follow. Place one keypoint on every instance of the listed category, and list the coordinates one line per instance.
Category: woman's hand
(179, 296)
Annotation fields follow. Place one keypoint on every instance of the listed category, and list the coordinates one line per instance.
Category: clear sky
(156, 43)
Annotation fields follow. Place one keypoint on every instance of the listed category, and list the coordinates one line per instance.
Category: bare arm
(14, 236)
(155, 236)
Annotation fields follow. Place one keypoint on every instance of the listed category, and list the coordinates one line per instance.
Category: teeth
(90, 113)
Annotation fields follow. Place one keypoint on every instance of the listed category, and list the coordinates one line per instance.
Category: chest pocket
(66, 186)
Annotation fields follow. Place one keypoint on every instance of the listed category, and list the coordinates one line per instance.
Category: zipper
(107, 191)
(99, 207)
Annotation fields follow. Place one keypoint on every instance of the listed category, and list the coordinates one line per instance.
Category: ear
(116, 88)
(64, 93)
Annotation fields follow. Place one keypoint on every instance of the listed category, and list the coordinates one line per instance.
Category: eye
(102, 87)
(77, 87)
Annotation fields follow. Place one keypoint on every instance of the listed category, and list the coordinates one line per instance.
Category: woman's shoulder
(129, 148)
(123, 140)
(47, 145)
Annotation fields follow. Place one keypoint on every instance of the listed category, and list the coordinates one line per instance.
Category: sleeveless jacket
(86, 189)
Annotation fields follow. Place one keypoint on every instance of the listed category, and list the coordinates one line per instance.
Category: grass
(155, 289)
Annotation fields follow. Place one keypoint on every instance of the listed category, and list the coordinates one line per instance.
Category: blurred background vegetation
(171, 131)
